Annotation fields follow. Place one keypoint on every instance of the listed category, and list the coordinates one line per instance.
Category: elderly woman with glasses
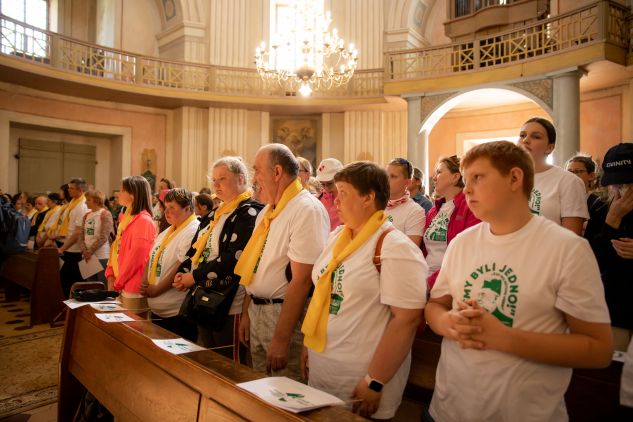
(449, 216)
(363, 315)
(405, 214)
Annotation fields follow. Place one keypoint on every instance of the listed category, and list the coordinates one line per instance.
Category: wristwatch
(373, 384)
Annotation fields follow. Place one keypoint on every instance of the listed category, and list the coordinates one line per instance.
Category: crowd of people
(522, 266)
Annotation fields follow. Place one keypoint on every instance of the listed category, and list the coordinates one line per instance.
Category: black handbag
(93, 295)
(210, 307)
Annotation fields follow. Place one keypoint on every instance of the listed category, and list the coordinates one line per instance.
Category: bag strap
(376, 258)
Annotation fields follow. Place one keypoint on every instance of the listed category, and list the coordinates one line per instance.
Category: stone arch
(434, 107)
(404, 23)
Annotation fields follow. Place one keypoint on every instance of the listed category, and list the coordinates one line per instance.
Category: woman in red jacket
(449, 216)
(134, 239)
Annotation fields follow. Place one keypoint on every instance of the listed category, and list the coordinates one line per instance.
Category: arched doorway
(474, 116)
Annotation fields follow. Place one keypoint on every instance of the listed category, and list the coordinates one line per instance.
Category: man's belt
(262, 301)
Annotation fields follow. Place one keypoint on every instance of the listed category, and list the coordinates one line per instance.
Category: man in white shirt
(518, 300)
(70, 250)
(277, 292)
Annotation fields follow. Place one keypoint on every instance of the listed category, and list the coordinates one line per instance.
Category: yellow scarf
(113, 261)
(225, 208)
(172, 232)
(52, 231)
(37, 214)
(47, 217)
(63, 230)
(247, 264)
(314, 325)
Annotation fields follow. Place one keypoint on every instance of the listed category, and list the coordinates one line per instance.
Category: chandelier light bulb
(305, 89)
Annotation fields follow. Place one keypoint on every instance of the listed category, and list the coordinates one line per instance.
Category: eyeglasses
(578, 171)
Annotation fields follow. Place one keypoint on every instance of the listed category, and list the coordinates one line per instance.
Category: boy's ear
(516, 179)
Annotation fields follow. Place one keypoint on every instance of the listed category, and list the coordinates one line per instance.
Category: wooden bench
(137, 381)
(39, 273)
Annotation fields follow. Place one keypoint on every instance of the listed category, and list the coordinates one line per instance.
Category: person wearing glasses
(325, 175)
(449, 216)
(405, 214)
(585, 168)
(557, 194)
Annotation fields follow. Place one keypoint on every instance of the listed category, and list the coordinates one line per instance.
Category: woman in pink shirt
(135, 237)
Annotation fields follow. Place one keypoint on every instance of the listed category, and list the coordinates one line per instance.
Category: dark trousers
(177, 325)
(69, 273)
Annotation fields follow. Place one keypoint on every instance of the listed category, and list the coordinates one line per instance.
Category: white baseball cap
(327, 169)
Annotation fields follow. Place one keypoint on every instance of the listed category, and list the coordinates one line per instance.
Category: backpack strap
(377, 253)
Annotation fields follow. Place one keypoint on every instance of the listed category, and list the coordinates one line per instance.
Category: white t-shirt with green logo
(529, 280)
(360, 310)
(436, 235)
(407, 217)
(558, 193)
(168, 304)
(92, 229)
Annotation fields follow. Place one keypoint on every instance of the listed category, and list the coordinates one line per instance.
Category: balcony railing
(603, 21)
(600, 22)
(69, 54)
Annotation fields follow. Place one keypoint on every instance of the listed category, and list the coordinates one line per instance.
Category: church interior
(106, 89)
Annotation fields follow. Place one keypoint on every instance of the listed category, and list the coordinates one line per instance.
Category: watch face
(376, 386)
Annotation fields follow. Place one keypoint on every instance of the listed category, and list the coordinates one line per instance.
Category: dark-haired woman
(449, 216)
(134, 239)
(557, 195)
(169, 251)
(361, 322)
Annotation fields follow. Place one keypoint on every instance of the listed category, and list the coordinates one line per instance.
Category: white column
(415, 151)
(566, 114)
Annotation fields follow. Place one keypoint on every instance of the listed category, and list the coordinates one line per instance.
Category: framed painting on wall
(301, 135)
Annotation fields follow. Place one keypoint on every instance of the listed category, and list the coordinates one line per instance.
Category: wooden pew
(137, 381)
(39, 273)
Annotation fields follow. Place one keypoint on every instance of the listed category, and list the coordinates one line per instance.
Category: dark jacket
(234, 236)
(461, 218)
(38, 221)
(616, 272)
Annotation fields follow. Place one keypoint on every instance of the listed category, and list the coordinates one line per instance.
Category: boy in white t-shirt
(405, 214)
(518, 300)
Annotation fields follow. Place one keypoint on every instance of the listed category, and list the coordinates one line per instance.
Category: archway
(476, 115)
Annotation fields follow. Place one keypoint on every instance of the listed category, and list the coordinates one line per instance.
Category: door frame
(8, 117)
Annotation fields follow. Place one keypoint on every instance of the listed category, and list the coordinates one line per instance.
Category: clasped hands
(473, 327)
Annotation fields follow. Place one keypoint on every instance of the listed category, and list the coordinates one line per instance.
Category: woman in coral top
(134, 240)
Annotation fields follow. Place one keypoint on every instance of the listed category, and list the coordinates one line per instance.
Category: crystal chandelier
(306, 56)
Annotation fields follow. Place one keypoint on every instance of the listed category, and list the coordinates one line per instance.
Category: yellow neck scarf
(37, 214)
(314, 325)
(63, 230)
(52, 231)
(47, 217)
(225, 208)
(113, 261)
(247, 264)
(172, 232)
